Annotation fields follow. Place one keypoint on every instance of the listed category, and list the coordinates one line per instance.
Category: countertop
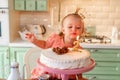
(21, 43)
(115, 44)
(109, 45)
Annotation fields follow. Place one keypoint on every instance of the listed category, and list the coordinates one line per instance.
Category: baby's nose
(74, 29)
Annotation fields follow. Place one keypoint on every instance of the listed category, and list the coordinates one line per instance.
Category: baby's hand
(30, 37)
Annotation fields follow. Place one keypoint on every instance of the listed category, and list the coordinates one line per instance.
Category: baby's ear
(83, 30)
(62, 30)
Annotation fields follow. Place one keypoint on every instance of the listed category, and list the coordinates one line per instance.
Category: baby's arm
(32, 38)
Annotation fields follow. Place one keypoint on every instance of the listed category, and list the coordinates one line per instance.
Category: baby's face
(72, 27)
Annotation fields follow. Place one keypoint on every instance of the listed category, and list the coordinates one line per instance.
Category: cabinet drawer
(30, 5)
(103, 77)
(108, 64)
(105, 55)
(105, 70)
(42, 5)
(19, 4)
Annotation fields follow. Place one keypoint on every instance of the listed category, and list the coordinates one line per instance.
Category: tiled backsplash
(103, 14)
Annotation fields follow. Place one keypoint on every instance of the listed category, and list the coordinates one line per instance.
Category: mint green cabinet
(17, 54)
(107, 64)
(30, 5)
(8, 55)
(19, 4)
(42, 5)
(4, 62)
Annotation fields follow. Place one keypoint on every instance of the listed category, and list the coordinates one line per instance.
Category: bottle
(14, 73)
(114, 35)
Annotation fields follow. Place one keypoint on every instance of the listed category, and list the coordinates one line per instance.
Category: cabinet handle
(15, 53)
(93, 50)
(19, 5)
(96, 64)
(30, 5)
(118, 55)
(7, 54)
(116, 68)
(3, 11)
(92, 78)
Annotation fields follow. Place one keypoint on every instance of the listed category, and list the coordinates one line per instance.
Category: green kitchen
(43, 17)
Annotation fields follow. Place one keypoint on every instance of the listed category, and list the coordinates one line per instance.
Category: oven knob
(3, 11)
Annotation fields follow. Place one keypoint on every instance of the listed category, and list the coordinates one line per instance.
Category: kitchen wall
(103, 14)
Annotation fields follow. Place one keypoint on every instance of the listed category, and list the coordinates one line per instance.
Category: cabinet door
(107, 64)
(30, 5)
(17, 54)
(105, 54)
(42, 5)
(19, 4)
(4, 62)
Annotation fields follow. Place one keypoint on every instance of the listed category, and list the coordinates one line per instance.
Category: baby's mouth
(74, 34)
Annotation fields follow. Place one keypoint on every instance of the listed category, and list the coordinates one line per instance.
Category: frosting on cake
(71, 59)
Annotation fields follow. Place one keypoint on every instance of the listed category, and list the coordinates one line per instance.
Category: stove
(95, 39)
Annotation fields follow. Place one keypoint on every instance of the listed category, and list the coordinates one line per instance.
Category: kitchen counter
(21, 43)
(114, 45)
(98, 45)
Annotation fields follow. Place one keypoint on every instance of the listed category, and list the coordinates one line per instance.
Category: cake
(70, 60)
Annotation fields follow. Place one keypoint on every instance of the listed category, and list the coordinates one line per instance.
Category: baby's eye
(78, 27)
(69, 26)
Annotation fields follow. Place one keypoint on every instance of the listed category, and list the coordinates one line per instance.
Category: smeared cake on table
(65, 58)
